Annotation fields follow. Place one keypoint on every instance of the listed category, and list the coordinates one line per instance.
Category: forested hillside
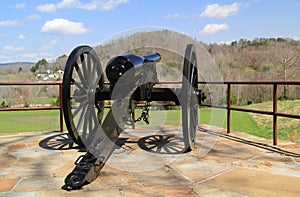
(261, 59)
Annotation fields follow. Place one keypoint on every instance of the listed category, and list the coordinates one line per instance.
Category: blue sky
(31, 30)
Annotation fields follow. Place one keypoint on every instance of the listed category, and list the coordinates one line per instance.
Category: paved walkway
(149, 162)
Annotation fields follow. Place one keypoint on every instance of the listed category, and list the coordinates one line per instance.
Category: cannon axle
(157, 94)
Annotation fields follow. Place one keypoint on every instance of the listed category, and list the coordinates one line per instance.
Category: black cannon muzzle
(117, 66)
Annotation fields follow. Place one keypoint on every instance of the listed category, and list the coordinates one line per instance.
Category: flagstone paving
(148, 163)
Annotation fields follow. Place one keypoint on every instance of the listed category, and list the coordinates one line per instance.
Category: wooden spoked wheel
(189, 101)
(83, 77)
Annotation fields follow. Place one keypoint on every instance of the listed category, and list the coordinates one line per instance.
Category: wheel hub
(87, 95)
(91, 94)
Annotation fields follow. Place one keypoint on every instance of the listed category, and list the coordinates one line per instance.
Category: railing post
(275, 98)
(228, 107)
(61, 118)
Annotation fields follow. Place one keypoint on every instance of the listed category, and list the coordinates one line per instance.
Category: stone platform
(150, 162)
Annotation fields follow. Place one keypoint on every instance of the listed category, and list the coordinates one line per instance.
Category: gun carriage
(132, 78)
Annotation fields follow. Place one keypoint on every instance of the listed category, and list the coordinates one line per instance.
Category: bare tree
(285, 67)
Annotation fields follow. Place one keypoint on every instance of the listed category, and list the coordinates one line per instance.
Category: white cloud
(33, 17)
(48, 8)
(30, 55)
(12, 48)
(35, 56)
(7, 58)
(21, 37)
(103, 5)
(63, 27)
(92, 5)
(68, 4)
(4, 57)
(220, 11)
(172, 16)
(9, 23)
(176, 15)
(214, 28)
(20, 6)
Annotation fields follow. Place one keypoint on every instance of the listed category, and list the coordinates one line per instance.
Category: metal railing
(59, 84)
(228, 107)
(273, 113)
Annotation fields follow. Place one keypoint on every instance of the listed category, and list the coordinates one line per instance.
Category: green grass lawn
(29, 121)
(240, 121)
(255, 124)
(244, 122)
(287, 128)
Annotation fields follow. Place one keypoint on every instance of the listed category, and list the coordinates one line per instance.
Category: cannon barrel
(154, 57)
(117, 66)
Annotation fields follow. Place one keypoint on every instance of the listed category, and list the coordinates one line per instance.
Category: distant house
(49, 75)
(45, 78)
(48, 71)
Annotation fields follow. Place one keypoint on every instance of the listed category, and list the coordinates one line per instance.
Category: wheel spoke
(92, 73)
(78, 85)
(80, 107)
(79, 97)
(192, 75)
(81, 118)
(84, 67)
(85, 124)
(94, 117)
(90, 68)
(98, 69)
(81, 76)
(91, 112)
(98, 73)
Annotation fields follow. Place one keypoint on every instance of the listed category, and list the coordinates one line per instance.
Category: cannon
(132, 79)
